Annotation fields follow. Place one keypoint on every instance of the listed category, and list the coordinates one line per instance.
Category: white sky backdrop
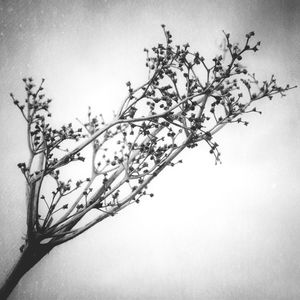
(230, 231)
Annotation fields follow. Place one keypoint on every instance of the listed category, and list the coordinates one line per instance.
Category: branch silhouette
(185, 100)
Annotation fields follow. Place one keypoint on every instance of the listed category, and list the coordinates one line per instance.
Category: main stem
(31, 255)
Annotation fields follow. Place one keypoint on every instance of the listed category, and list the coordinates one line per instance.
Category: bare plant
(184, 101)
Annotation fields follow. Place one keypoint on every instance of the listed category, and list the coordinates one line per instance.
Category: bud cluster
(185, 100)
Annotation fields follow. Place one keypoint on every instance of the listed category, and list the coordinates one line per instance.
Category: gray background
(230, 231)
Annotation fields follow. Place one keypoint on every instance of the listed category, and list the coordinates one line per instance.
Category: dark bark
(30, 256)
